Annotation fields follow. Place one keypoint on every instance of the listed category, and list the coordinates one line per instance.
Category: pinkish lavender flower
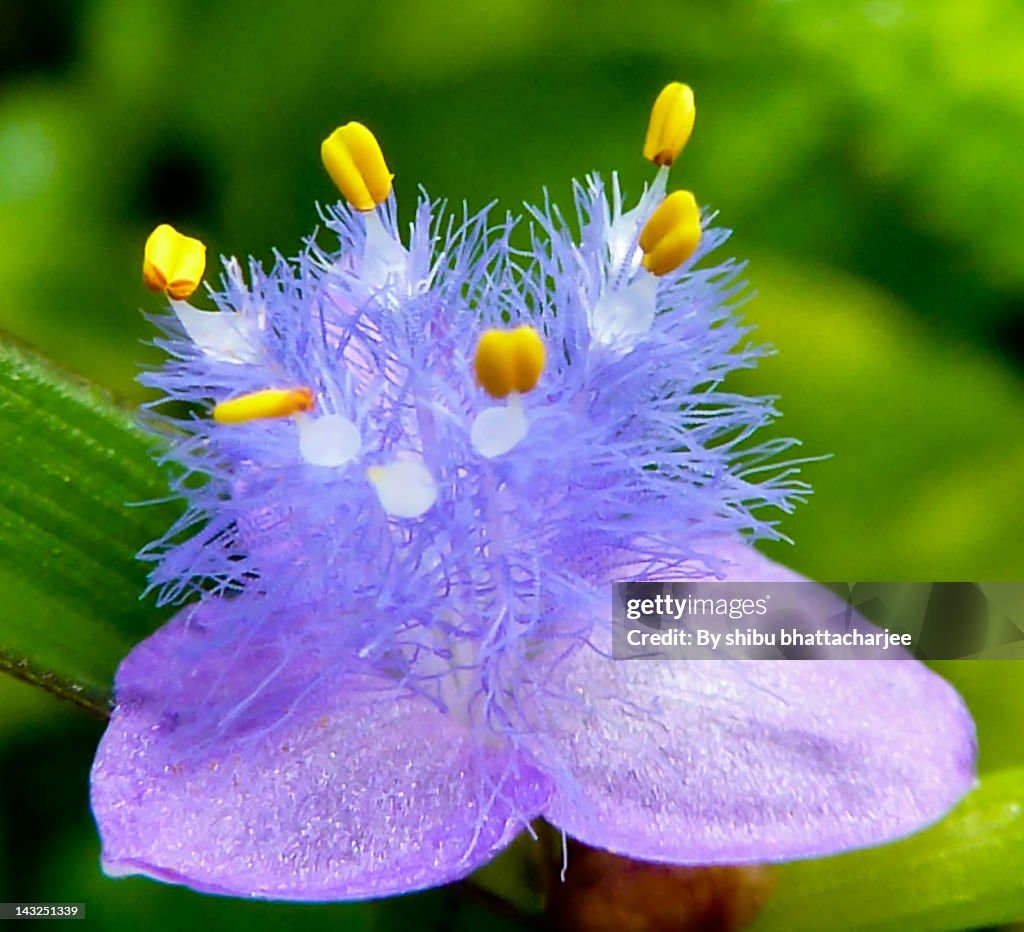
(428, 459)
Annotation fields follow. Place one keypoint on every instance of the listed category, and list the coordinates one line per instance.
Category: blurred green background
(866, 153)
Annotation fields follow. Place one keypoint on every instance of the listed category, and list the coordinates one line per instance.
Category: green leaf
(72, 471)
(965, 872)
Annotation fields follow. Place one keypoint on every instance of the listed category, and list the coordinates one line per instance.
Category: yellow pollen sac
(173, 262)
(269, 403)
(670, 125)
(353, 159)
(509, 360)
(671, 234)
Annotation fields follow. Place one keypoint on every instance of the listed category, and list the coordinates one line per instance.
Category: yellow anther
(172, 262)
(509, 360)
(356, 165)
(269, 403)
(671, 234)
(670, 125)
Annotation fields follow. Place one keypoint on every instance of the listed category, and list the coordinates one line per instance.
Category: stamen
(268, 403)
(625, 314)
(353, 159)
(385, 260)
(671, 234)
(509, 360)
(497, 430)
(172, 262)
(331, 440)
(670, 125)
(405, 488)
(622, 232)
(223, 335)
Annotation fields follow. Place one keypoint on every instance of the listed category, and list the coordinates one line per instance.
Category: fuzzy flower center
(427, 458)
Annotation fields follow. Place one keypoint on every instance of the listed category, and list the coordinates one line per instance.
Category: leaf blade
(965, 872)
(71, 465)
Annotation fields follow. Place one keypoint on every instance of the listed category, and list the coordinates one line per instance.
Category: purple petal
(215, 775)
(722, 761)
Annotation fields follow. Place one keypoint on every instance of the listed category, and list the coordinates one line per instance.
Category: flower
(428, 457)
